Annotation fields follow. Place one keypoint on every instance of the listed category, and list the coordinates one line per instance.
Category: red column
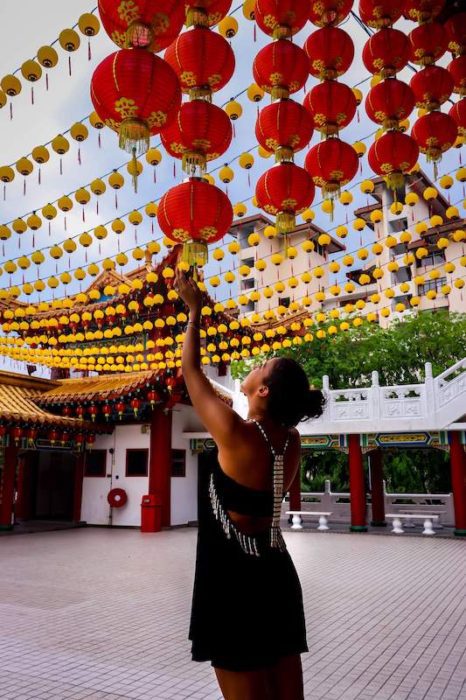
(377, 494)
(160, 458)
(458, 482)
(7, 487)
(78, 486)
(295, 491)
(357, 485)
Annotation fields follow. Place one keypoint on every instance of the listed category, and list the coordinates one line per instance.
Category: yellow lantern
(69, 40)
(100, 232)
(37, 257)
(116, 180)
(359, 224)
(135, 217)
(228, 27)
(151, 209)
(360, 148)
(31, 71)
(255, 93)
(239, 210)
(34, 222)
(430, 193)
(226, 174)
(367, 186)
(19, 226)
(452, 213)
(234, 247)
(153, 156)
(88, 24)
(60, 144)
(98, 187)
(47, 56)
(69, 246)
(85, 239)
(11, 85)
(233, 109)
(65, 203)
(49, 212)
(5, 233)
(24, 166)
(82, 196)
(7, 174)
(118, 226)
(246, 161)
(248, 9)
(346, 198)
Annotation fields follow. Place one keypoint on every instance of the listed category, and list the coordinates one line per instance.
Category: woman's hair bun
(290, 398)
(314, 404)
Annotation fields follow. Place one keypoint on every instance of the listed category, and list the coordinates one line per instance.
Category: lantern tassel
(89, 51)
(11, 111)
(47, 82)
(194, 253)
(69, 65)
(134, 161)
(99, 140)
(32, 95)
(134, 134)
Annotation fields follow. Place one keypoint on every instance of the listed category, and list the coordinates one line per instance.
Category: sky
(67, 101)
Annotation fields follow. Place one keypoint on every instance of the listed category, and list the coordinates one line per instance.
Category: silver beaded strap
(248, 543)
(276, 537)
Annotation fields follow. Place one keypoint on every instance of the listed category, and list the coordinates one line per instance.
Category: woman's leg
(285, 679)
(243, 685)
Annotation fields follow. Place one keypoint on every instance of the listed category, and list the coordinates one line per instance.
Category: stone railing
(338, 504)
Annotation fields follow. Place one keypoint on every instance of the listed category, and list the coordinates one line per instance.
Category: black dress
(247, 606)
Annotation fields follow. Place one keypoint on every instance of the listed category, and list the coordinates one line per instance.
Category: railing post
(374, 394)
(430, 396)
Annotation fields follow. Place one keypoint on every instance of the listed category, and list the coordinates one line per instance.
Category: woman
(247, 614)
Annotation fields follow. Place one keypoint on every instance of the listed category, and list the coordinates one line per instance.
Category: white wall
(95, 509)
(184, 489)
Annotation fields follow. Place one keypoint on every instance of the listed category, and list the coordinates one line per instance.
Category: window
(244, 234)
(402, 275)
(396, 225)
(431, 284)
(178, 463)
(136, 462)
(399, 249)
(248, 283)
(96, 463)
(250, 306)
(285, 301)
(248, 261)
(435, 258)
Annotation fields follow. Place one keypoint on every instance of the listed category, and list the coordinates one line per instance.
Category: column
(78, 486)
(160, 458)
(357, 485)
(377, 494)
(7, 487)
(21, 507)
(458, 482)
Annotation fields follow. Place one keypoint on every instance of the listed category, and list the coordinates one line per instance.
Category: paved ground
(102, 615)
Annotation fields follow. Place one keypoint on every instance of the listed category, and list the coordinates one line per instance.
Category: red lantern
(67, 411)
(386, 52)
(93, 411)
(107, 411)
(195, 213)
(435, 133)
(90, 439)
(64, 437)
(80, 412)
(389, 102)
(136, 94)
(203, 61)
(432, 86)
(281, 68)
(284, 127)
(428, 43)
(79, 439)
(330, 51)
(378, 14)
(457, 69)
(332, 106)
(205, 13)
(326, 13)
(53, 436)
(120, 407)
(455, 28)
(331, 163)
(281, 18)
(135, 405)
(17, 433)
(148, 24)
(392, 156)
(3, 432)
(152, 397)
(31, 435)
(285, 191)
(200, 133)
(422, 10)
(458, 113)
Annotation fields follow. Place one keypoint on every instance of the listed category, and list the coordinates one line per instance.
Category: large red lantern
(422, 10)
(428, 43)
(432, 86)
(331, 163)
(380, 13)
(203, 61)
(284, 127)
(458, 113)
(285, 191)
(17, 434)
(327, 13)
(281, 68)
(281, 18)
(149, 24)
(330, 51)
(195, 213)
(457, 69)
(200, 133)
(332, 106)
(136, 94)
(392, 156)
(389, 102)
(455, 28)
(434, 133)
(386, 52)
(205, 13)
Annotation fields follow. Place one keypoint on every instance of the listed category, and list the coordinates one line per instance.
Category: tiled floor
(96, 614)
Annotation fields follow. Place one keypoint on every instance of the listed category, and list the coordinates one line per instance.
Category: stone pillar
(357, 485)
(160, 458)
(21, 507)
(7, 487)
(458, 482)
(377, 491)
(78, 486)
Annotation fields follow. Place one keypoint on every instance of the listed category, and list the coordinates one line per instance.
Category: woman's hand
(188, 291)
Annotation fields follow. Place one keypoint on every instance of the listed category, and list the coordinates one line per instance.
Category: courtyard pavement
(98, 614)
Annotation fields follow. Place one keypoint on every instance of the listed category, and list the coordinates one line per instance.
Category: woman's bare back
(250, 464)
